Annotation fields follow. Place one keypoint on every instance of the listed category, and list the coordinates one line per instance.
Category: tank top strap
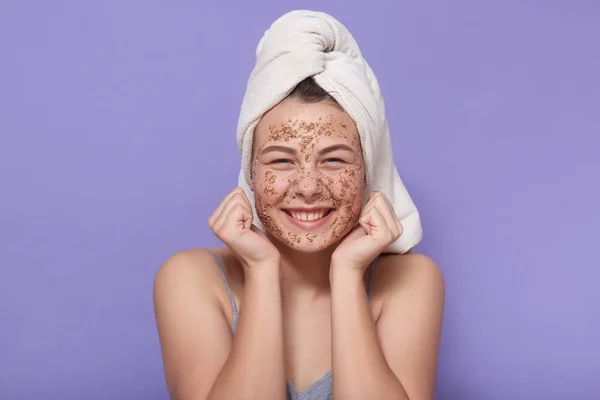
(229, 292)
(372, 280)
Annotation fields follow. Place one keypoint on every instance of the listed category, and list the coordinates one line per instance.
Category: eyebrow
(278, 148)
(327, 149)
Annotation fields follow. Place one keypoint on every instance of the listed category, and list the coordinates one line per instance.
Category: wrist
(339, 263)
(345, 273)
(265, 269)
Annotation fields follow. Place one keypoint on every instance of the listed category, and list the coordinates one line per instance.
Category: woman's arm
(397, 358)
(201, 359)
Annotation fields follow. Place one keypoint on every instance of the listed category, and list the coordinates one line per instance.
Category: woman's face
(308, 174)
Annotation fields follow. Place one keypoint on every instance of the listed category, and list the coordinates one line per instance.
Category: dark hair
(308, 91)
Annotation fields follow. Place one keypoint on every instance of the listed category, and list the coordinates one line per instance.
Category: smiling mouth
(304, 216)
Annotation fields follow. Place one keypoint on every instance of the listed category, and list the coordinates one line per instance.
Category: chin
(310, 248)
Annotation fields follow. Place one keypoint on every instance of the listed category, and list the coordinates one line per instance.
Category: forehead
(290, 121)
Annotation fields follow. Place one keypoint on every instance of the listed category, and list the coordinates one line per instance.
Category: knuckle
(238, 207)
(390, 236)
(238, 197)
(223, 233)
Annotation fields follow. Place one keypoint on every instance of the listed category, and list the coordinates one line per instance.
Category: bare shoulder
(194, 333)
(196, 260)
(410, 323)
(408, 275)
(193, 276)
(185, 281)
(188, 267)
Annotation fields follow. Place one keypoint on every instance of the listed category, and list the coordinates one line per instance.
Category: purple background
(117, 124)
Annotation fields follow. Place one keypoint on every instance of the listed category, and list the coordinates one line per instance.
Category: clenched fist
(232, 223)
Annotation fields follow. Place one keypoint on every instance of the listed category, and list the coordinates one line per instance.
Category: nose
(308, 185)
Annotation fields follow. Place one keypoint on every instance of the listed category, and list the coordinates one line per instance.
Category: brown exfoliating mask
(307, 156)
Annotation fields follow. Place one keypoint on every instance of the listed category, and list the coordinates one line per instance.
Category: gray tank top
(321, 389)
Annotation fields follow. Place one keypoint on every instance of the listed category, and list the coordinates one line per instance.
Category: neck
(304, 273)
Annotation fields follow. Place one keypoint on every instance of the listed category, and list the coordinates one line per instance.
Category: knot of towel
(303, 44)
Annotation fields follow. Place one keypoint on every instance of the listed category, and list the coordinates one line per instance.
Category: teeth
(307, 216)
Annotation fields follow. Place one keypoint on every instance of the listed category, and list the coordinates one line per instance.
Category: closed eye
(280, 161)
(334, 160)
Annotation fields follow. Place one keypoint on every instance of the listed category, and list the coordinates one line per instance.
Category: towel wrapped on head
(303, 44)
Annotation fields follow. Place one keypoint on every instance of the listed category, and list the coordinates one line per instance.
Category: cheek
(271, 187)
(347, 188)
(351, 197)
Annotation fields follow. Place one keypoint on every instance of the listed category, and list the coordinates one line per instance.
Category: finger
(387, 212)
(387, 200)
(355, 233)
(396, 219)
(217, 218)
(400, 227)
(235, 201)
(378, 228)
(373, 203)
(238, 218)
(367, 222)
(382, 203)
(246, 199)
(369, 204)
(256, 229)
(217, 211)
(221, 205)
(366, 212)
(241, 218)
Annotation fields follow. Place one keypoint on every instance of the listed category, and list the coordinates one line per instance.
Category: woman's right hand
(232, 224)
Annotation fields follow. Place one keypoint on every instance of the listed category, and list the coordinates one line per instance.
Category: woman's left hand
(377, 228)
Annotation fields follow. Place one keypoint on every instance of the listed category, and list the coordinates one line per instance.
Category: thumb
(256, 229)
(356, 233)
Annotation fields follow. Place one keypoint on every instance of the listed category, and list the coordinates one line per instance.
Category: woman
(311, 308)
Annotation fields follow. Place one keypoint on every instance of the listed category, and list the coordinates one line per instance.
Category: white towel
(303, 44)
